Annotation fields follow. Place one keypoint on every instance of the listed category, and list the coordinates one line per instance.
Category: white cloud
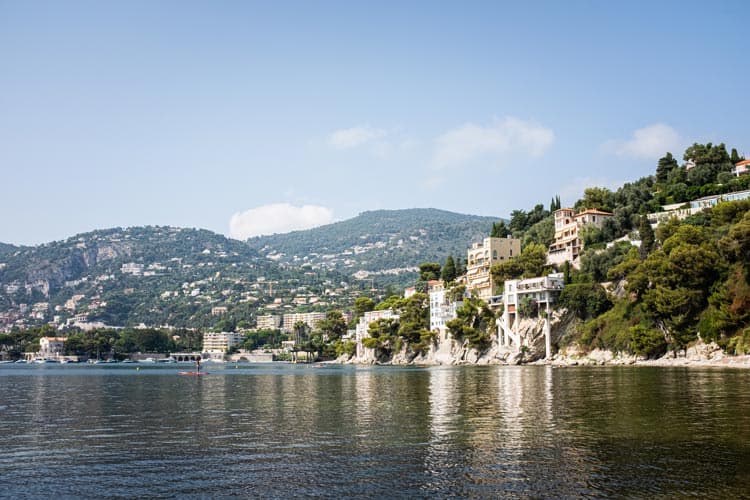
(503, 137)
(649, 142)
(354, 137)
(277, 218)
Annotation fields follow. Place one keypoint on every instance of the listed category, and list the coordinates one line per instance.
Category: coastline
(698, 355)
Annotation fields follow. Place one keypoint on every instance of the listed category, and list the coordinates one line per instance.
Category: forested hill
(380, 242)
(6, 248)
(151, 275)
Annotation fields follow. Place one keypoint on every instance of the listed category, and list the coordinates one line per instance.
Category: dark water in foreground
(284, 430)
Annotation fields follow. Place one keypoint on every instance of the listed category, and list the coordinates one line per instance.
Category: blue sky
(247, 118)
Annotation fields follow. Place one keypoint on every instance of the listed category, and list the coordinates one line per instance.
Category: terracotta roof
(593, 211)
(743, 163)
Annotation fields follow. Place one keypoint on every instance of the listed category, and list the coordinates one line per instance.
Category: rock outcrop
(449, 351)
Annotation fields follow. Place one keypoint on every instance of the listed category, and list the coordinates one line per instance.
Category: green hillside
(379, 242)
(151, 275)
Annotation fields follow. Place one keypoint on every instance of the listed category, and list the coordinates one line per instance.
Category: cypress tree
(664, 167)
(647, 237)
(449, 270)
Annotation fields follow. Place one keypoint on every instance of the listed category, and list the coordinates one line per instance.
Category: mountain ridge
(384, 243)
(179, 276)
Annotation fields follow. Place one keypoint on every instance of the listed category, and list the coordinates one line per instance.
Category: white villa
(741, 168)
(442, 309)
(543, 290)
(363, 325)
(51, 347)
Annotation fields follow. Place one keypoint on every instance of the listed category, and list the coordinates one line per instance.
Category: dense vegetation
(185, 274)
(687, 280)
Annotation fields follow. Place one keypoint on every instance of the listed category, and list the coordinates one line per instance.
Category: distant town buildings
(132, 268)
(481, 257)
(568, 244)
(219, 310)
(268, 322)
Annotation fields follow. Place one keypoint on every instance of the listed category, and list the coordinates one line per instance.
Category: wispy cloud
(650, 142)
(350, 138)
(277, 218)
(498, 140)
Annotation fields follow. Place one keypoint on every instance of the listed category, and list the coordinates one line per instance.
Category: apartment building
(220, 342)
(311, 319)
(268, 322)
(568, 244)
(442, 308)
(481, 257)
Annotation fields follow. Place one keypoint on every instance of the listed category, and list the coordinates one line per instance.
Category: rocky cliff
(446, 350)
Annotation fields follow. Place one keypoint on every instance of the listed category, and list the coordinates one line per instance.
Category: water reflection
(376, 431)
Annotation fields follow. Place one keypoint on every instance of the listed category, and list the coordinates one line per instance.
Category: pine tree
(664, 167)
(449, 270)
(499, 230)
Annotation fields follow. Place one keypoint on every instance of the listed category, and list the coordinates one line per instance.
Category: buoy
(137, 368)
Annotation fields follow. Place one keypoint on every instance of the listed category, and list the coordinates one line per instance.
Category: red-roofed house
(742, 167)
(568, 243)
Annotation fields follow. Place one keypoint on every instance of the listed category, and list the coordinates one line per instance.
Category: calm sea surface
(284, 430)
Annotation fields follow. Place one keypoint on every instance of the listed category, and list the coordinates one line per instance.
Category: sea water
(280, 430)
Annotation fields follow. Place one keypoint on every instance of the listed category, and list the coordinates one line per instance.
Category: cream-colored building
(268, 322)
(221, 342)
(568, 244)
(481, 257)
(311, 319)
(51, 347)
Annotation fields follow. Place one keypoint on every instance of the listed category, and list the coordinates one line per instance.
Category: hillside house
(741, 168)
(568, 244)
(480, 259)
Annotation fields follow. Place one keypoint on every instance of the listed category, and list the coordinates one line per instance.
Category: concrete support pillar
(547, 335)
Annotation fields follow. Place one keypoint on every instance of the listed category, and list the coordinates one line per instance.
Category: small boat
(191, 373)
